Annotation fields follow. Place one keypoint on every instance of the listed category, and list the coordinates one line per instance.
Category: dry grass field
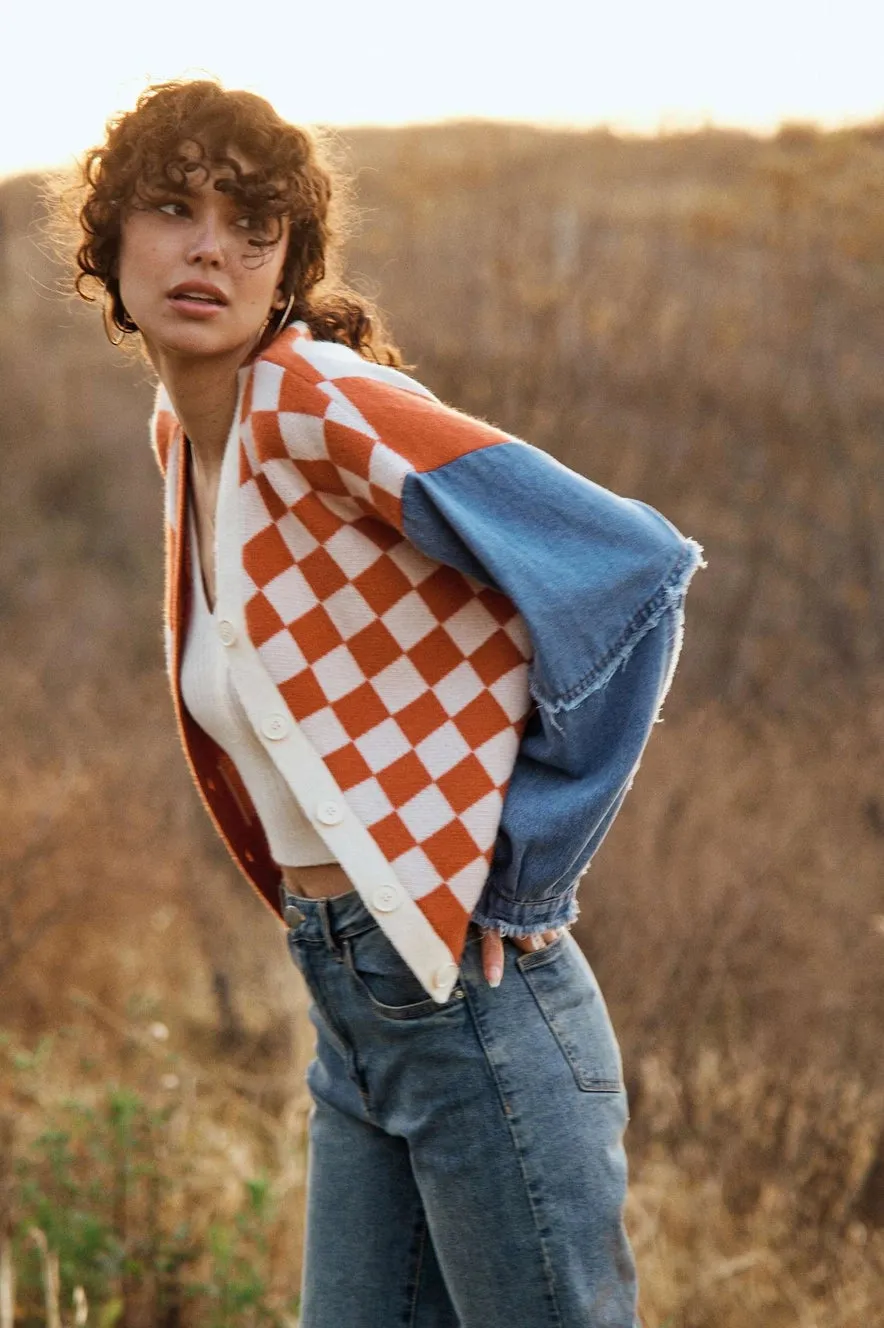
(695, 321)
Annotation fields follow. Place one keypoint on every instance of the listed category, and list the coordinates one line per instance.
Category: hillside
(695, 321)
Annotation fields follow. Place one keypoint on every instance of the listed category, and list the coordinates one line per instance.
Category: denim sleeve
(572, 774)
(600, 582)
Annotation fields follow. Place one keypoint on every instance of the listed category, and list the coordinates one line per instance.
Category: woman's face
(189, 277)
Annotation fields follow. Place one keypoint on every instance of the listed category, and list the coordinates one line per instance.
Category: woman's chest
(204, 501)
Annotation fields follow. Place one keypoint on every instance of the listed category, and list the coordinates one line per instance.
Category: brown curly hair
(144, 153)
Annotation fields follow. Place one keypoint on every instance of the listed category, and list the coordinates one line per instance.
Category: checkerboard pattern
(407, 677)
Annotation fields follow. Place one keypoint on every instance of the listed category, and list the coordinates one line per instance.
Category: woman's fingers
(492, 957)
(492, 950)
(537, 941)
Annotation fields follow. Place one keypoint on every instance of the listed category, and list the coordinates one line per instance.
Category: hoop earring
(285, 313)
(109, 321)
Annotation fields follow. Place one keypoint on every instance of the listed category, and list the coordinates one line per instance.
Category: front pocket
(568, 996)
(386, 980)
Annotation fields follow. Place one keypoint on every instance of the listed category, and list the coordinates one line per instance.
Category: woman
(414, 663)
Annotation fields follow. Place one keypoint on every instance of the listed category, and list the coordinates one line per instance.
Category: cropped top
(208, 692)
(453, 648)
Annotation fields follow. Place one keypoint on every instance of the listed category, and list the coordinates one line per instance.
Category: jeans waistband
(329, 919)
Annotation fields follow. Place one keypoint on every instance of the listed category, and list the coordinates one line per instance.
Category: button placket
(386, 898)
(297, 759)
(274, 726)
(444, 976)
(329, 812)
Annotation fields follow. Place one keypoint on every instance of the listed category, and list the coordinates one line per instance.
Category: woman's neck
(203, 393)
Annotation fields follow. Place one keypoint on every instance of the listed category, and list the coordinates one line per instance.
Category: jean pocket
(385, 979)
(570, 1000)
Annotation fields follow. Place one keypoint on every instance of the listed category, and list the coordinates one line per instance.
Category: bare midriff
(316, 882)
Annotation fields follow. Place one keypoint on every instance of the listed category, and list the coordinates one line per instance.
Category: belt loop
(328, 934)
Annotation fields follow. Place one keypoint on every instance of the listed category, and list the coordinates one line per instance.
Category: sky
(636, 65)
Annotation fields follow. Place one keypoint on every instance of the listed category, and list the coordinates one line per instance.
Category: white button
(274, 726)
(445, 976)
(329, 813)
(386, 898)
(227, 632)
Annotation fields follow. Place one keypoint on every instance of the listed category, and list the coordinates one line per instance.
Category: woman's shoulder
(297, 353)
(325, 402)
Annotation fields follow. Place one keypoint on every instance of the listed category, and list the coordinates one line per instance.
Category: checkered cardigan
(377, 652)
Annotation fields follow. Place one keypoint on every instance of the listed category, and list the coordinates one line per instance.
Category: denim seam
(395, 1013)
(527, 964)
(341, 1039)
(319, 941)
(508, 1117)
(671, 591)
(412, 1318)
(334, 1034)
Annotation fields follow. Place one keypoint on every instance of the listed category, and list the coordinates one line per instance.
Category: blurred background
(655, 249)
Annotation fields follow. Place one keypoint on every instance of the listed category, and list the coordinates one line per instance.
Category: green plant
(108, 1212)
(94, 1184)
(236, 1290)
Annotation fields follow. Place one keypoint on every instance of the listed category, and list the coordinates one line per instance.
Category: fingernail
(495, 974)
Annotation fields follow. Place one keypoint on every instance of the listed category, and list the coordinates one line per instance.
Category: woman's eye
(262, 230)
(249, 222)
(174, 208)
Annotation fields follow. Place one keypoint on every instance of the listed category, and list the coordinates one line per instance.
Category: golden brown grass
(694, 322)
(747, 1011)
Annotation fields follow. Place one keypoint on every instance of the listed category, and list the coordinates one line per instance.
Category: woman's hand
(492, 950)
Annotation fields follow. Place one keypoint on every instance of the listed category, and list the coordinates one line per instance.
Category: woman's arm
(598, 581)
(569, 783)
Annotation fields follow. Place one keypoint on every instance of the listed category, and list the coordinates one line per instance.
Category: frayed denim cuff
(525, 918)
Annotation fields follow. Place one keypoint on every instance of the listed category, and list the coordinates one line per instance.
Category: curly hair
(177, 133)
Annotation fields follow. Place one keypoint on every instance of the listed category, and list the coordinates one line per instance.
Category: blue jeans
(466, 1166)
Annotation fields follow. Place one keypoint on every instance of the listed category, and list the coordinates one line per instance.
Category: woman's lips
(196, 306)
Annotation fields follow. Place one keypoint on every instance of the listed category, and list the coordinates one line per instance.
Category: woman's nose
(207, 243)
